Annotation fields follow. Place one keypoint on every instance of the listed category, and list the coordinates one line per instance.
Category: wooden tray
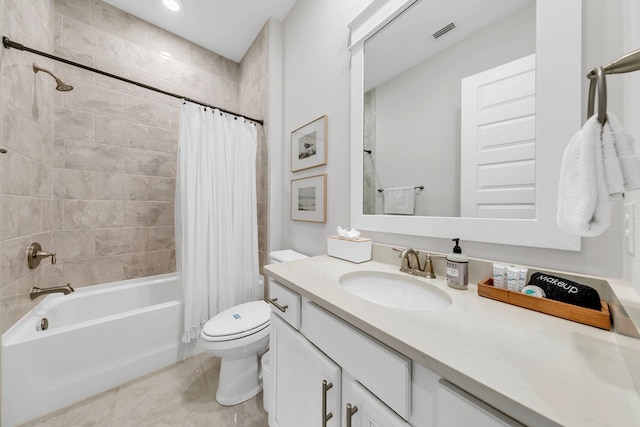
(600, 319)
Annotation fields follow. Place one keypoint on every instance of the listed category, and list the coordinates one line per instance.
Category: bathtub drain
(44, 324)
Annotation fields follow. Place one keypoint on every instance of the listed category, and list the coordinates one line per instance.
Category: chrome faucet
(35, 292)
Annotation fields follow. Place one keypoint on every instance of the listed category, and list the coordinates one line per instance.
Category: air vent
(444, 30)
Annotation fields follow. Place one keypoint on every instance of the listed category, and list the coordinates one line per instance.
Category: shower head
(60, 85)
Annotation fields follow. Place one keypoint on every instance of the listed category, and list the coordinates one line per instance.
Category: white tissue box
(354, 250)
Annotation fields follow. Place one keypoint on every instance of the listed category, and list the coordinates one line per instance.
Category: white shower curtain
(215, 214)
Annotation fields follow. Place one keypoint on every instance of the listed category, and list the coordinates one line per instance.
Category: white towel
(584, 203)
(627, 158)
(400, 200)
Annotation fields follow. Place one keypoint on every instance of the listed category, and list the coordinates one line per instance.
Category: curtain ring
(600, 81)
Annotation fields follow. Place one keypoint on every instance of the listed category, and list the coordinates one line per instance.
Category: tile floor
(180, 395)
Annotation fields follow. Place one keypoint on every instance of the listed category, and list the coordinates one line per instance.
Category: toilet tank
(285, 255)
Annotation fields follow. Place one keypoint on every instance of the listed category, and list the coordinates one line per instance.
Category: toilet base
(238, 380)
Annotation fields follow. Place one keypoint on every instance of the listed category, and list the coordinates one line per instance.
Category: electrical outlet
(629, 227)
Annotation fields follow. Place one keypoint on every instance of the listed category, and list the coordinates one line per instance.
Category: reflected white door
(497, 151)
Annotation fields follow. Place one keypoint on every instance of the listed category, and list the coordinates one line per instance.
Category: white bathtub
(98, 337)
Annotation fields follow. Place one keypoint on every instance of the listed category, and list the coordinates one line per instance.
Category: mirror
(469, 65)
(556, 89)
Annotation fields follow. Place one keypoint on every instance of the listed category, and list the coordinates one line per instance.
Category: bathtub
(98, 337)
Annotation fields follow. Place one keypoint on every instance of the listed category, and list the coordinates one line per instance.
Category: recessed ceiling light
(173, 5)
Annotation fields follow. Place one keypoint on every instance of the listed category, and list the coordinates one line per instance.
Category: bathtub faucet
(35, 292)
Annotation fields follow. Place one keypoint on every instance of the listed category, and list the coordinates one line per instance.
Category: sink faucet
(406, 259)
(35, 292)
(411, 263)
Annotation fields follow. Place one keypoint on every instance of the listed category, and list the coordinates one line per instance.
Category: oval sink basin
(395, 290)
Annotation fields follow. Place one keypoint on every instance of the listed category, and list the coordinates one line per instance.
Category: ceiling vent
(444, 30)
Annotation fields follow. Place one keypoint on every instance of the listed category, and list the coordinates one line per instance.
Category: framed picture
(309, 199)
(309, 145)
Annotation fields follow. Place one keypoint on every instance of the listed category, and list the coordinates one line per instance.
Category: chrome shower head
(60, 85)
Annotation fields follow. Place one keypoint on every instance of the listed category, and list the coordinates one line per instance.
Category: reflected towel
(399, 200)
(584, 203)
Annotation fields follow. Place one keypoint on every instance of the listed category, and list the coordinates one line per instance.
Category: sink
(395, 290)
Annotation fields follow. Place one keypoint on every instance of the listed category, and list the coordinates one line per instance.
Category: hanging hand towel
(400, 200)
(612, 171)
(584, 204)
(627, 158)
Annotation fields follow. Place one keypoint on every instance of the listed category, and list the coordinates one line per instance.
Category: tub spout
(35, 292)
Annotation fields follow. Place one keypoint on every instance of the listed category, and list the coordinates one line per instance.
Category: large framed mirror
(460, 113)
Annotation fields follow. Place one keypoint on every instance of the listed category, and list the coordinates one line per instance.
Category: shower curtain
(215, 214)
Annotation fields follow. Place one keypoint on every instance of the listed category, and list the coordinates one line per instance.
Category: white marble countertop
(539, 369)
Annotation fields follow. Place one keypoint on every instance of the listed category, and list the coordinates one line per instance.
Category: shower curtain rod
(11, 44)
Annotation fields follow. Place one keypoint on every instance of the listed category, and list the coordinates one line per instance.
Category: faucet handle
(35, 254)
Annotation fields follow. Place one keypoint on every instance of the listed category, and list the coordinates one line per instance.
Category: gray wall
(317, 82)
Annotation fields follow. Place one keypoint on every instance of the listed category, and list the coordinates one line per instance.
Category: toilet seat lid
(238, 321)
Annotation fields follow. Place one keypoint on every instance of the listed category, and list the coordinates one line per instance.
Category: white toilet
(238, 336)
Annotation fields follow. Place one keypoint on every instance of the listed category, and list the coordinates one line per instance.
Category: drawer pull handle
(350, 411)
(282, 308)
(325, 417)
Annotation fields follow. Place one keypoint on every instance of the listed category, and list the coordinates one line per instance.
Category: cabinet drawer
(458, 408)
(285, 303)
(382, 370)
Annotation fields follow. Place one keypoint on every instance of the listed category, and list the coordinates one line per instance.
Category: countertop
(539, 369)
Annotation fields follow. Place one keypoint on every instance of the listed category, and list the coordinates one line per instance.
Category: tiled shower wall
(90, 173)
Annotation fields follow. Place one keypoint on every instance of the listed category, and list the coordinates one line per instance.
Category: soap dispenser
(457, 268)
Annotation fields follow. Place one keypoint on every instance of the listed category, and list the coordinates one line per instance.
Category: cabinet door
(297, 390)
(457, 408)
(366, 410)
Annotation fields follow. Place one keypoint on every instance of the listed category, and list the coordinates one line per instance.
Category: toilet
(238, 336)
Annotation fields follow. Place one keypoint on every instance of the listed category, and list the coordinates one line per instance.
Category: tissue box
(354, 250)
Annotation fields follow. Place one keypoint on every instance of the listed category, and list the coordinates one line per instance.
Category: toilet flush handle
(273, 301)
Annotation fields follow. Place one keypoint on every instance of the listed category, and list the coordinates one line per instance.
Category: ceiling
(227, 27)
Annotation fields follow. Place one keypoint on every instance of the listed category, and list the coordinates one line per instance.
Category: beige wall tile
(161, 40)
(94, 99)
(73, 184)
(159, 139)
(76, 9)
(90, 40)
(22, 134)
(22, 216)
(58, 153)
(150, 163)
(134, 187)
(148, 213)
(72, 244)
(92, 214)
(92, 271)
(69, 72)
(72, 124)
(40, 180)
(117, 22)
(114, 241)
(161, 238)
(17, 169)
(95, 157)
(151, 113)
(124, 133)
(148, 264)
(143, 60)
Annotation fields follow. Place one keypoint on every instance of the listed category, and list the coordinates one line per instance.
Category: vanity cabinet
(305, 384)
(331, 374)
(363, 409)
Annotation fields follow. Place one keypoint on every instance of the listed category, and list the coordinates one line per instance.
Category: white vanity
(476, 362)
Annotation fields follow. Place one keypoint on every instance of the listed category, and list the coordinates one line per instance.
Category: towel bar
(625, 64)
(418, 187)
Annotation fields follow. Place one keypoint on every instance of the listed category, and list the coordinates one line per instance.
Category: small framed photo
(309, 145)
(309, 199)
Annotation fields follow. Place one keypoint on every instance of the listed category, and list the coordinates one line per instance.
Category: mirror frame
(558, 65)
